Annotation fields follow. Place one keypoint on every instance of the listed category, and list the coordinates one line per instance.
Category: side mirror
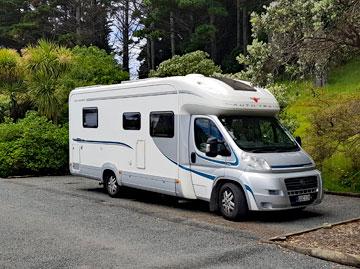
(298, 140)
(212, 147)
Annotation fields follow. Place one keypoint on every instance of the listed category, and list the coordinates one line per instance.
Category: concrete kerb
(328, 255)
(324, 254)
(348, 194)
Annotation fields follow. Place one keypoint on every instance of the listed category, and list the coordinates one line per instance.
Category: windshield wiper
(263, 149)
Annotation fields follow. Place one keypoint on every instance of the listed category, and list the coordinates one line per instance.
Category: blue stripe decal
(250, 190)
(289, 166)
(211, 177)
(210, 160)
(235, 163)
(101, 142)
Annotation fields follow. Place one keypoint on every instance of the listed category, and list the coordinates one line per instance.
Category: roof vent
(237, 85)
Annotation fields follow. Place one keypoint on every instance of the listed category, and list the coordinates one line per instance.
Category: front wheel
(111, 185)
(232, 202)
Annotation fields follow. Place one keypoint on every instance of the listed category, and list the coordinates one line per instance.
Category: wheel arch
(108, 168)
(214, 198)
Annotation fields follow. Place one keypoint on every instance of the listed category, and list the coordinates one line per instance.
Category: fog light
(274, 192)
(266, 205)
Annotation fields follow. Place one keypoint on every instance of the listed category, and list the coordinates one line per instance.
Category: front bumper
(267, 192)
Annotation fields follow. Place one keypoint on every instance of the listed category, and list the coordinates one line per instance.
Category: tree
(183, 26)
(45, 64)
(305, 36)
(46, 73)
(194, 62)
(23, 22)
(90, 66)
(12, 84)
(126, 22)
(71, 23)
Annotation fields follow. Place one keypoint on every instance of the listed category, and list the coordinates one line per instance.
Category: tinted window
(90, 117)
(162, 124)
(204, 129)
(258, 134)
(131, 121)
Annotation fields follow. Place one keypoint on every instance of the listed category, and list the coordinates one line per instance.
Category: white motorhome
(192, 137)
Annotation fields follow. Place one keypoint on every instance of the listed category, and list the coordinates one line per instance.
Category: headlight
(255, 163)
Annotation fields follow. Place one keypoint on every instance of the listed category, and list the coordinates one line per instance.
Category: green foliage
(194, 62)
(12, 85)
(92, 65)
(201, 36)
(257, 69)
(304, 38)
(344, 86)
(336, 128)
(10, 67)
(25, 22)
(282, 96)
(34, 146)
(47, 72)
(45, 64)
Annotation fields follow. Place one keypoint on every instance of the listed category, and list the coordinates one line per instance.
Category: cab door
(204, 169)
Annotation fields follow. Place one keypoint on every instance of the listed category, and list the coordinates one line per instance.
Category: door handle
(193, 157)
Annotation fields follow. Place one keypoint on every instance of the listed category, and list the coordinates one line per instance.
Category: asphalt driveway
(69, 222)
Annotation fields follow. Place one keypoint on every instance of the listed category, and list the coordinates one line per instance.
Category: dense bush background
(33, 145)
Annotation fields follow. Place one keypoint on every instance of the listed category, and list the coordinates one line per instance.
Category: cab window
(203, 130)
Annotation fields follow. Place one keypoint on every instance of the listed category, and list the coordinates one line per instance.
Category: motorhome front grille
(301, 183)
(300, 192)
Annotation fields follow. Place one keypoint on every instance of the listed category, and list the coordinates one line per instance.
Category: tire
(232, 202)
(111, 186)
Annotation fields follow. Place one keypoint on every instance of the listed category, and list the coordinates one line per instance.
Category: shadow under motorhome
(192, 137)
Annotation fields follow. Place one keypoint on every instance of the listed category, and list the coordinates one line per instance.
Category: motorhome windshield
(258, 134)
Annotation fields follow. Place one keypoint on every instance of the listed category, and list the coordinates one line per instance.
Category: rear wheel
(232, 202)
(111, 185)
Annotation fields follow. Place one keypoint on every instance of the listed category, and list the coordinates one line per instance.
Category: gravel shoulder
(344, 238)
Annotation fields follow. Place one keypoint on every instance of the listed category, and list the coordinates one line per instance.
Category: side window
(90, 117)
(131, 121)
(203, 130)
(162, 124)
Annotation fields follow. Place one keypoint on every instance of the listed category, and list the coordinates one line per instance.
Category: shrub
(193, 62)
(92, 66)
(33, 145)
(281, 94)
(335, 130)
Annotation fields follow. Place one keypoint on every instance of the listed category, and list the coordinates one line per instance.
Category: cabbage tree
(45, 63)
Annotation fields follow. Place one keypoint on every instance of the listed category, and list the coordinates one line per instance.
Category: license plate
(304, 198)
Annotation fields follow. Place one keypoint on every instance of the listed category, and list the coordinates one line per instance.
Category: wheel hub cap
(228, 203)
(112, 185)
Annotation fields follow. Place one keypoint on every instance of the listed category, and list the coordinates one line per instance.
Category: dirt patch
(343, 238)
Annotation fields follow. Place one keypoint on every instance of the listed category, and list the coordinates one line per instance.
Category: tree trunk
(152, 48)
(213, 38)
(192, 24)
(148, 54)
(125, 33)
(172, 33)
(78, 21)
(245, 29)
(320, 78)
(238, 24)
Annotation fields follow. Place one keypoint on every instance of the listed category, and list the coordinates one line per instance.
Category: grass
(343, 84)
